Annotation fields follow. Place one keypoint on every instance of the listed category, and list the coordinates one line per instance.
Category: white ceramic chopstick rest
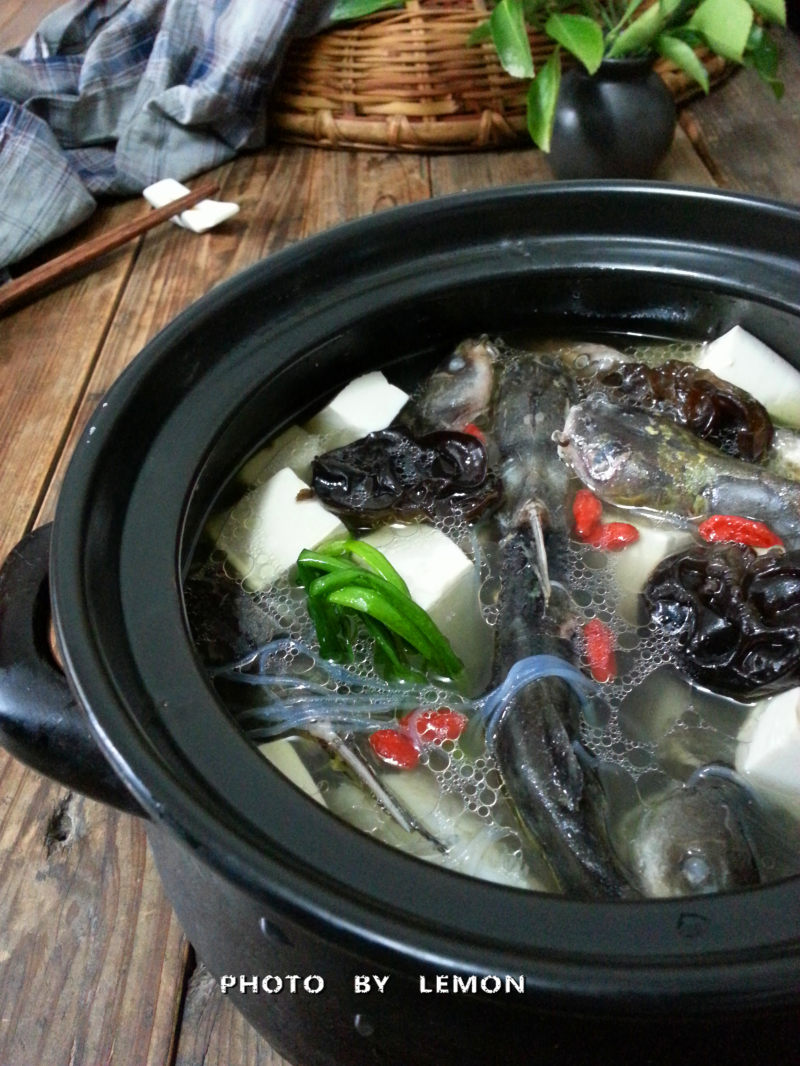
(203, 216)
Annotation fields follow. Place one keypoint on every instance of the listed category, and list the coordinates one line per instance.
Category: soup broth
(572, 749)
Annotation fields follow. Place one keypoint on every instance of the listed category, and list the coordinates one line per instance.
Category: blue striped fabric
(108, 96)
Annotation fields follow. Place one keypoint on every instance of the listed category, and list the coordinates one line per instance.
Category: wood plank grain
(54, 271)
(174, 267)
(468, 171)
(19, 18)
(683, 165)
(352, 184)
(213, 1032)
(46, 351)
(750, 142)
(97, 937)
(91, 953)
(462, 172)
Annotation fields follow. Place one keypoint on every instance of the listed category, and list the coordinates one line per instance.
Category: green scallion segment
(350, 584)
(378, 562)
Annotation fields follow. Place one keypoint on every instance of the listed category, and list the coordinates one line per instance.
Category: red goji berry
(599, 642)
(613, 536)
(435, 726)
(474, 431)
(731, 527)
(394, 748)
(586, 511)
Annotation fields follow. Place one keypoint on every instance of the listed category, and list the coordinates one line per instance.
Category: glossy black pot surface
(265, 883)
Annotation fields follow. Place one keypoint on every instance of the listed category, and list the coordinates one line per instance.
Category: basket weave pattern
(407, 79)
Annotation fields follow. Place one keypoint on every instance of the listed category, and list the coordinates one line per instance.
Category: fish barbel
(633, 459)
(518, 400)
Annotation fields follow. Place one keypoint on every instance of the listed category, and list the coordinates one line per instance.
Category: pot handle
(41, 724)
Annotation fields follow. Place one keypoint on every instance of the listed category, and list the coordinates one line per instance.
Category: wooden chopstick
(14, 291)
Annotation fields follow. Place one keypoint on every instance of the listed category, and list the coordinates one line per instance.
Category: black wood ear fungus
(734, 616)
(711, 408)
(393, 475)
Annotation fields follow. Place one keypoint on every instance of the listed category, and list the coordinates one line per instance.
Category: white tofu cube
(294, 448)
(768, 751)
(367, 404)
(445, 583)
(743, 360)
(269, 527)
(633, 565)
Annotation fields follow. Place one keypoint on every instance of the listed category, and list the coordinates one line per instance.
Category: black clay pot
(616, 123)
(267, 884)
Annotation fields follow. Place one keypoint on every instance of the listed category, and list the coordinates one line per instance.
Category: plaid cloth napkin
(108, 96)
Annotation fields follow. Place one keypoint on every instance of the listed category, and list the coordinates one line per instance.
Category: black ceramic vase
(616, 123)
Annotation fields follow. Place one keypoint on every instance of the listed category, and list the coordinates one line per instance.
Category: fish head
(586, 359)
(611, 454)
(693, 840)
(459, 391)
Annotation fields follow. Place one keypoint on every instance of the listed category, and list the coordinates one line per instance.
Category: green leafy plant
(594, 30)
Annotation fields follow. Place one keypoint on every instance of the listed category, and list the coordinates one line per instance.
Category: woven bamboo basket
(406, 79)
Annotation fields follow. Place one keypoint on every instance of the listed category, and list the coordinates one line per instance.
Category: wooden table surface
(94, 969)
